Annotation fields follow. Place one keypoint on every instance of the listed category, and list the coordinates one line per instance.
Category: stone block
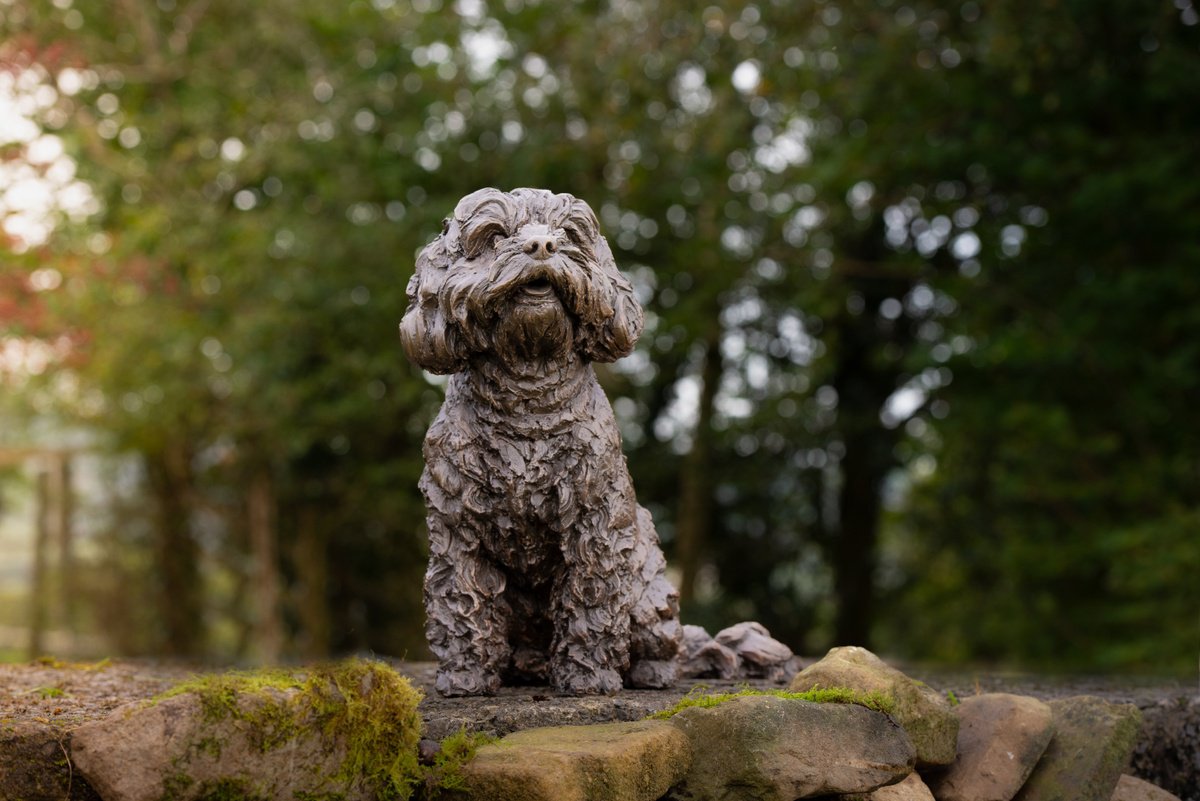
(604, 762)
(1092, 743)
(1001, 737)
(767, 748)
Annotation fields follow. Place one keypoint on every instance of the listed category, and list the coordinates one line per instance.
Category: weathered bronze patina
(542, 565)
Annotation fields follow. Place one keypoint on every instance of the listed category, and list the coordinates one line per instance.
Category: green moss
(952, 698)
(221, 696)
(368, 708)
(49, 692)
(58, 664)
(208, 745)
(446, 772)
(230, 790)
(821, 695)
(175, 786)
(373, 710)
(303, 795)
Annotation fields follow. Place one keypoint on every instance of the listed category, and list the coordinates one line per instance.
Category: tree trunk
(694, 519)
(264, 551)
(63, 508)
(312, 582)
(176, 553)
(38, 590)
(863, 470)
(865, 377)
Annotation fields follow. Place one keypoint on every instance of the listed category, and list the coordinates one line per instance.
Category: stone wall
(51, 716)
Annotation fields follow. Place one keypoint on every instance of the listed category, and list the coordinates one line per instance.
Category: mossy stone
(767, 748)
(1092, 744)
(924, 713)
(346, 731)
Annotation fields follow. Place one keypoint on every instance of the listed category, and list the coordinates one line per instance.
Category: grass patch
(820, 695)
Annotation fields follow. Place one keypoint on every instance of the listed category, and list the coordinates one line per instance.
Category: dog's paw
(578, 681)
(454, 683)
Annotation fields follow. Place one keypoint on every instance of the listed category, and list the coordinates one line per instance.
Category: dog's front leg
(467, 615)
(592, 599)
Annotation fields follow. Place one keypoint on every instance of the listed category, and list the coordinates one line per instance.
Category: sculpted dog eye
(483, 237)
(573, 235)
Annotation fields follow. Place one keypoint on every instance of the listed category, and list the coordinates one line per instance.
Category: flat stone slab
(1092, 744)
(767, 748)
(1001, 737)
(604, 762)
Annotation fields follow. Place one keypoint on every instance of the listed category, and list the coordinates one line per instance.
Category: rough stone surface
(1001, 737)
(34, 765)
(1130, 788)
(43, 701)
(542, 566)
(1092, 744)
(169, 750)
(605, 762)
(924, 713)
(766, 748)
(704, 657)
(911, 789)
(759, 654)
(1165, 755)
(1168, 748)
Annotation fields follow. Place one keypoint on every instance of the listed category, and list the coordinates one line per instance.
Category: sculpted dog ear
(613, 337)
(488, 202)
(428, 338)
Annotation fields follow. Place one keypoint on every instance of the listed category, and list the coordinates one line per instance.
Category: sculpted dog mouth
(538, 288)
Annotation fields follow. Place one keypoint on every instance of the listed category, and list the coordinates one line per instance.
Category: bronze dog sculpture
(542, 565)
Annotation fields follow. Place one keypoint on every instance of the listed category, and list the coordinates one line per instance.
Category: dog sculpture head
(521, 276)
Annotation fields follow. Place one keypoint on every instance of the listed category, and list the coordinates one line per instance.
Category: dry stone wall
(55, 719)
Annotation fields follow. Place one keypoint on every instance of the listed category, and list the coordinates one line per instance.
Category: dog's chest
(534, 478)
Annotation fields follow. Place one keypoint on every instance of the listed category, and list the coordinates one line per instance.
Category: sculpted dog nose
(540, 246)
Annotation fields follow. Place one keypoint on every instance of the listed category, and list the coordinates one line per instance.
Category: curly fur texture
(542, 565)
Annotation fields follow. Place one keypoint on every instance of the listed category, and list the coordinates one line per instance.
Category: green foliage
(878, 701)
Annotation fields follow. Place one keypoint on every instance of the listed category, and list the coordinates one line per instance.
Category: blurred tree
(1060, 524)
